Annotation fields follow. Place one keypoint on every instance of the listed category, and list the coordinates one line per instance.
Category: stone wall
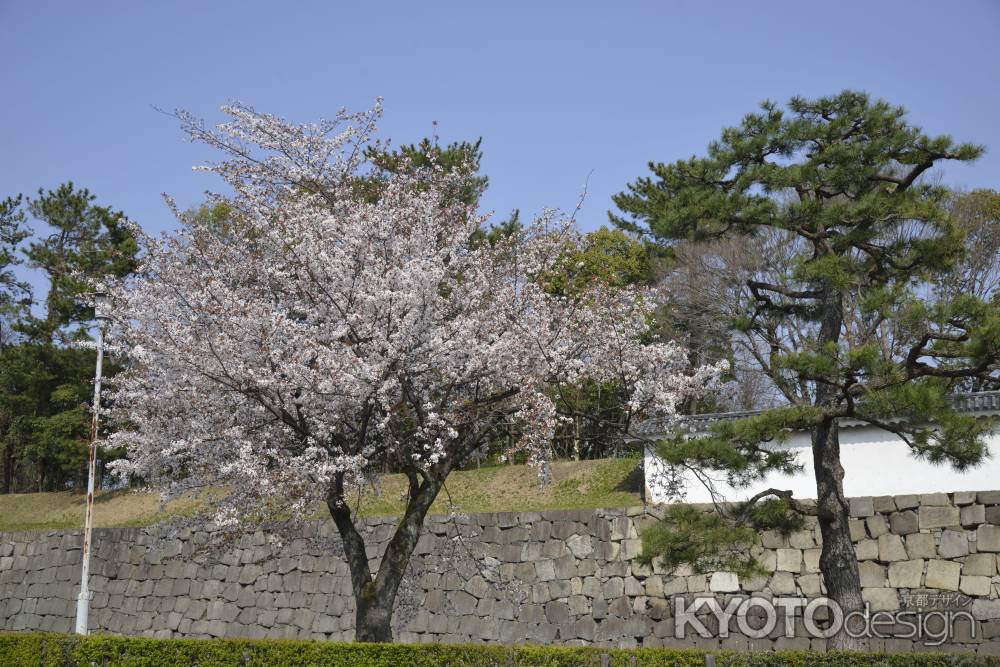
(554, 577)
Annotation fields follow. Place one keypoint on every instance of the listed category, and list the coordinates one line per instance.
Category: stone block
(934, 500)
(904, 523)
(612, 551)
(622, 528)
(866, 550)
(939, 516)
(811, 585)
(216, 628)
(988, 538)
(881, 599)
(653, 587)
(592, 587)
(479, 588)
(975, 585)
(581, 546)
(906, 573)
(463, 603)
(782, 583)
(631, 549)
(884, 504)
(906, 502)
(973, 515)
(877, 525)
(980, 564)
(921, 545)
(557, 612)
(565, 567)
(810, 558)
(725, 582)
(697, 583)
(639, 569)
(613, 588)
(890, 548)
(540, 593)
(857, 528)
(772, 539)
(954, 544)
(754, 583)
(802, 539)
(872, 574)
(861, 507)
(988, 497)
(986, 610)
(993, 515)
(584, 629)
(544, 570)
(250, 573)
(674, 586)
(943, 575)
(963, 497)
(789, 560)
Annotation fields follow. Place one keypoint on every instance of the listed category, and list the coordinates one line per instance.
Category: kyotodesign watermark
(820, 618)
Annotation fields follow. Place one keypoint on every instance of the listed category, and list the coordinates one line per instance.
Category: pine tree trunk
(838, 560)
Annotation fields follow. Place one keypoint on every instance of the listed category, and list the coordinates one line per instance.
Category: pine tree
(852, 326)
(87, 241)
(15, 293)
(45, 378)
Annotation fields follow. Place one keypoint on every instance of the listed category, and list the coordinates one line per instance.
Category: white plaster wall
(876, 463)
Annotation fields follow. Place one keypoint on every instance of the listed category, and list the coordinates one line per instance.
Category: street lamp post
(102, 315)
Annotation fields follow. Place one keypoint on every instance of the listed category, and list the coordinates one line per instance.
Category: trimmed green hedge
(49, 650)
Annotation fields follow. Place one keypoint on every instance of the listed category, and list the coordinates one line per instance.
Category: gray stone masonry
(557, 577)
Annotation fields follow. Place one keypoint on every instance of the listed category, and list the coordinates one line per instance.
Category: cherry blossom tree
(323, 333)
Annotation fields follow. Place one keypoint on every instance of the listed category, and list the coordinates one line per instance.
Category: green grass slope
(498, 488)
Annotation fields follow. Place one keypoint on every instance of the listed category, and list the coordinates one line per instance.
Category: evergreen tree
(87, 242)
(851, 327)
(45, 377)
(44, 391)
(461, 157)
(15, 294)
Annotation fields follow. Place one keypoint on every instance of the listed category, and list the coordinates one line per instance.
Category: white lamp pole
(102, 315)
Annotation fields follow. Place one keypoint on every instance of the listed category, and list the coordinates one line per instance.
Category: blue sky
(557, 90)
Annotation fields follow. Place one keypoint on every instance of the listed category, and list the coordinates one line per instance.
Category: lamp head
(102, 306)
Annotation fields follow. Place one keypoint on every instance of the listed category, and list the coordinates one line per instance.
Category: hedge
(50, 650)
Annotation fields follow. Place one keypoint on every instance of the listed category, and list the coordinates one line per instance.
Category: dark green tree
(459, 157)
(608, 255)
(45, 377)
(15, 294)
(851, 326)
(44, 416)
(86, 242)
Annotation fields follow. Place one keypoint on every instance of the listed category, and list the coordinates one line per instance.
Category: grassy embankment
(500, 488)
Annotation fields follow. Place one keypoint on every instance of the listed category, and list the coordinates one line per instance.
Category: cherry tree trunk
(373, 620)
(375, 597)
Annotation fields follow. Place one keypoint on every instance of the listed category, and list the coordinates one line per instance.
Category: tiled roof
(985, 402)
